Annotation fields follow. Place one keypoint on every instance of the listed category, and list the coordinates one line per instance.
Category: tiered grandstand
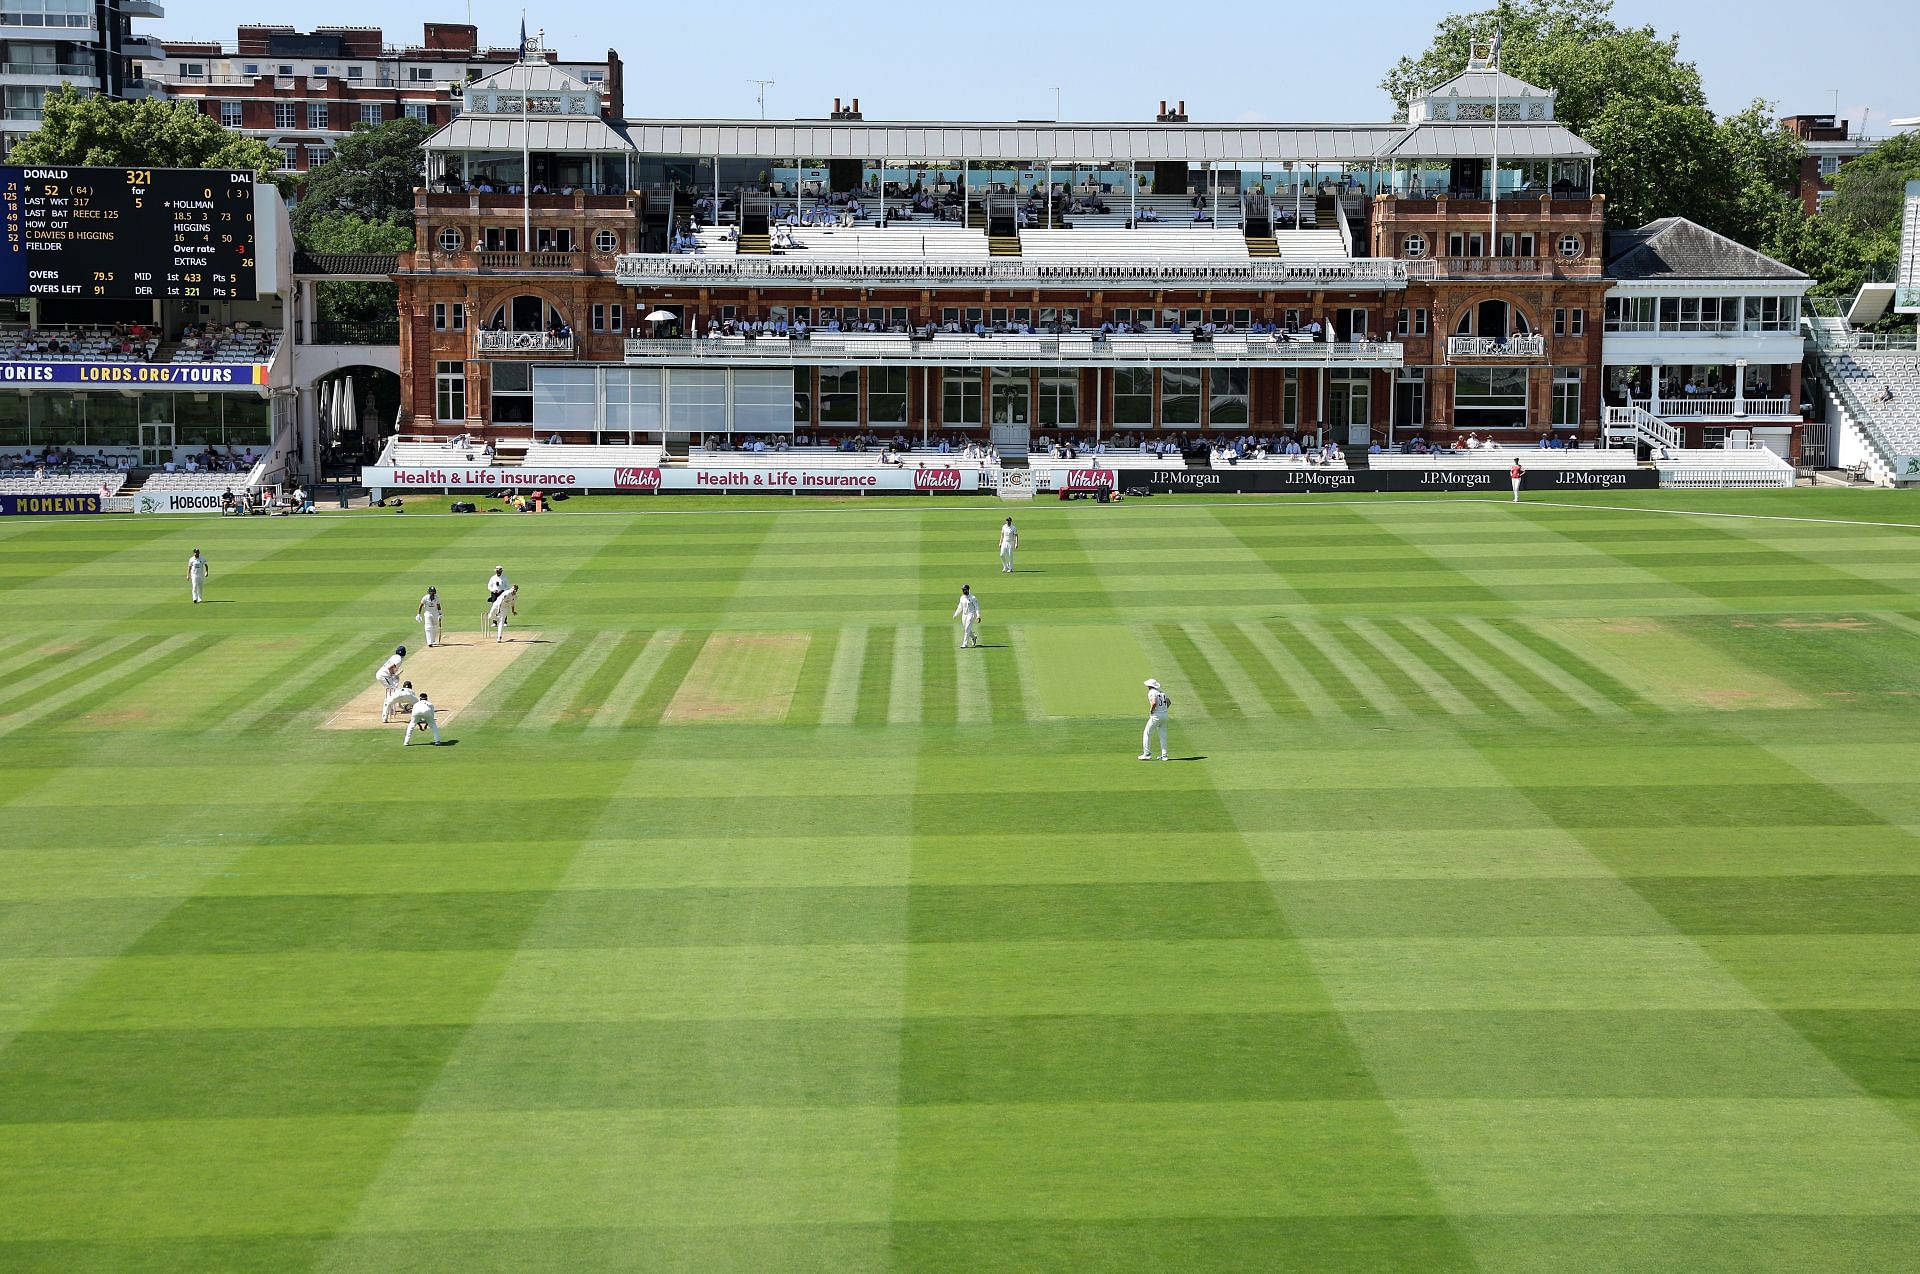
(73, 344)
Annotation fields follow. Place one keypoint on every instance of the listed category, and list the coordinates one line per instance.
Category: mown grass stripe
(1904, 622)
(60, 668)
(676, 659)
(1366, 683)
(909, 676)
(1516, 696)
(222, 714)
(634, 680)
(842, 697)
(876, 679)
(1434, 674)
(557, 706)
(1289, 673)
(1559, 692)
(591, 700)
(1168, 649)
(22, 648)
(810, 688)
(103, 699)
(939, 692)
(1240, 681)
(317, 694)
(1611, 677)
(538, 668)
(973, 698)
(1026, 679)
(110, 673)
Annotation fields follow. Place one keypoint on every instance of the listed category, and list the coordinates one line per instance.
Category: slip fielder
(421, 718)
(429, 614)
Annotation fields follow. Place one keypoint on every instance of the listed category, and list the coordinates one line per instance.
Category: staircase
(1003, 245)
(758, 245)
(1635, 424)
(1262, 245)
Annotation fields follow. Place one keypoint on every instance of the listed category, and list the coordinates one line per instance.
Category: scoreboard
(126, 233)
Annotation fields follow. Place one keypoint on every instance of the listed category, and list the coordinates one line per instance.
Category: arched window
(1494, 318)
(525, 313)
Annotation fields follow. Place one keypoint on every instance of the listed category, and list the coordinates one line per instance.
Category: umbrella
(663, 316)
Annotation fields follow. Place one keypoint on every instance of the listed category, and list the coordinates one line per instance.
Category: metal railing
(1494, 347)
(47, 68)
(1713, 408)
(1070, 350)
(797, 271)
(1636, 422)
(382, 332)
(522, 343)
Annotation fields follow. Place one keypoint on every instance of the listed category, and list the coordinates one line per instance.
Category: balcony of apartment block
(495, 343)
(142, 9)
(1073, 349)
(47, 73)
(145, 48)
(1490, 348)
(1173, 271)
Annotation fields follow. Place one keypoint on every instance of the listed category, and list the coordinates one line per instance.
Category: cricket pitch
(452, 673)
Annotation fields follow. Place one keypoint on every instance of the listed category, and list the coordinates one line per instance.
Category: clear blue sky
(929, 59)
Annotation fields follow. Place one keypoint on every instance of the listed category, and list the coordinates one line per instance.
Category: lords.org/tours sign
(211, 375)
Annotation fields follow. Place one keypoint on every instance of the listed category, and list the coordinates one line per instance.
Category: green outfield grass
(1537, 888)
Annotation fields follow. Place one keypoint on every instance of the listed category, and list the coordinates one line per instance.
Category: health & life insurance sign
(774, 479)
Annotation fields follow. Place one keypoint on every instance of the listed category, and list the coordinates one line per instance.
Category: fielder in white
(399, 699)
(196, 574)
(1009, 541)
(429, 614)
(501, 608)
(387, 677)
(1159, 704)
(968, 613)
(421, 718)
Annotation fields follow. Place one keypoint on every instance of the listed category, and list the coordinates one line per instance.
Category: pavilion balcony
(798, 271)
(1504, 268)
(1698, 408)
(602, 199)
(1071, 350)
(1512, 347)
(522, 343)
(484, 262)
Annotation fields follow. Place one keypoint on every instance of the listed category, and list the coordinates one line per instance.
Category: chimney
(1176, 116)
(616, 88)
(846, 112)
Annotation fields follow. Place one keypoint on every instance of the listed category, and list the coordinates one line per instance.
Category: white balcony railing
(1070, 350)
(1494, 347)
(1684, 408)
(521, 343)
(637, 269)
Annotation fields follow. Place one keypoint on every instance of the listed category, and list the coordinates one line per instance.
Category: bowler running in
(429, 614)
(501, 608)
(1009, 541)
(968, 613)
(400, 699)
(1159, 704)
(196, 575)
(421, 719)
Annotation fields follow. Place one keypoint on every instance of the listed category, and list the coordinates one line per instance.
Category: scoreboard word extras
(126, 233)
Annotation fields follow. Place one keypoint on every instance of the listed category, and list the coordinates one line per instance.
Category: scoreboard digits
(127, 233)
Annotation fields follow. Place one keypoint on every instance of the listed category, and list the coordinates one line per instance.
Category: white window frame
(418, 110)
(286, 114)
(605, 242)
(1414, 246)
(1571, 245)
(371, 113)
(449, 379)
(450, 238)
(317, 115)
(232, 113)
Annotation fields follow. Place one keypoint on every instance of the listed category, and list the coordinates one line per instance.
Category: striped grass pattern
(1537, 889)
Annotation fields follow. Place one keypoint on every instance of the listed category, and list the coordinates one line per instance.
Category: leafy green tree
(360, 304)
(1571, 46)
(371, 175)
(107, 132)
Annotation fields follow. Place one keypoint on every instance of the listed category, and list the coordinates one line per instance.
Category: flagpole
(1493, 221)
(526, 159)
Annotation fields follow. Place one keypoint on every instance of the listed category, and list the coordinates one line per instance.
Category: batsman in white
(1159, 704)
(968, 613)
(1009, 541)
(400, 699)
(429, 614)
(196, 574)
(421, 718)
(501, 608)
(387, 677)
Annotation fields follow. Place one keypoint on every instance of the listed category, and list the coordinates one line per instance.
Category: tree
(108, 132)
(359, 304)
(371, 175)
(1571, 46)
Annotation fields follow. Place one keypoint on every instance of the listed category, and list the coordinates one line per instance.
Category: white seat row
(1219, 460)
(195, 482)
(1529, 458)
(549, 455)
(64, 484)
